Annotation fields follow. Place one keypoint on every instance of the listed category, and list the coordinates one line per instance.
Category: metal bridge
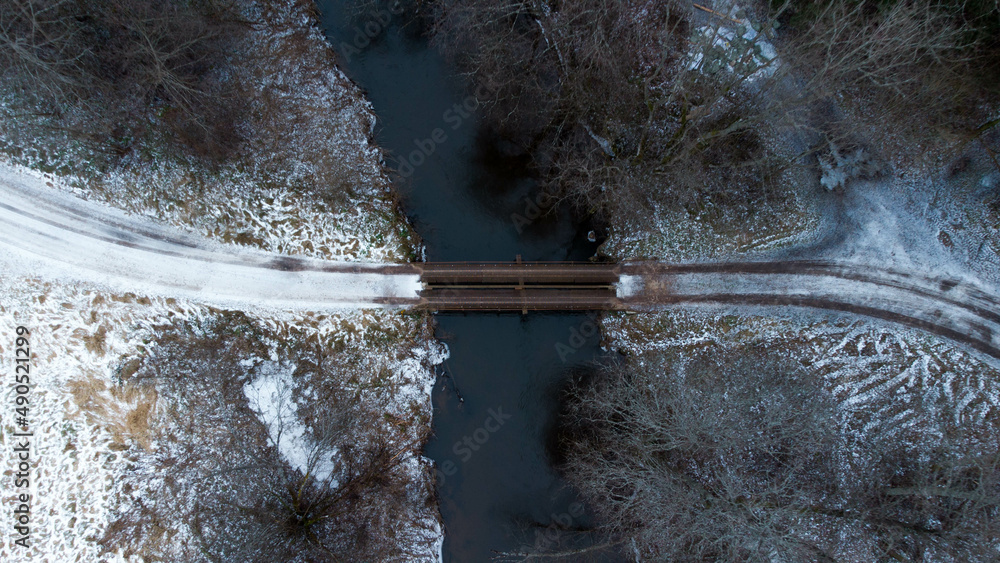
(85, 240)
(955, 309)
(519, 286)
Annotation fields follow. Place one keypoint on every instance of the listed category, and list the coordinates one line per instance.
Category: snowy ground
(889, 381)
(256, 235)
(939, 220)
(962, 311)
(309, 182)
(85, 421)
(909, 230)
(79, 417)
(83, 336)
(82, 241)
(930, 223)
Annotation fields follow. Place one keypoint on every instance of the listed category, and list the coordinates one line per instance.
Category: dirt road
(51, 234)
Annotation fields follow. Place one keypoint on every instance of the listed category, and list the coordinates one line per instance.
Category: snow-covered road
(52, 234)
(959, 310)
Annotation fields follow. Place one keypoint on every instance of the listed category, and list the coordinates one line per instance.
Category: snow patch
(740, 47)
(628, 286)
(78, 340)
(270, 396)
(842, 166)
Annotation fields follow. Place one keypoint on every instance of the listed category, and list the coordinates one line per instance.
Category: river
(470, 198)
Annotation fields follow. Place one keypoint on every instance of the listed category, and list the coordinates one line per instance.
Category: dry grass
(687, 236)
(306, 179)
(95, 342)
(124, 411)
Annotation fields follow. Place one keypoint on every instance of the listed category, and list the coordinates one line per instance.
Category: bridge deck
(518, 286)
(519, 299)
(523, 273)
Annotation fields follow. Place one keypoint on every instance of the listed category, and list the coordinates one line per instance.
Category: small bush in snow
(841, 166)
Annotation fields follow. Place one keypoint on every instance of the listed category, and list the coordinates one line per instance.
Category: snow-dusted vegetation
(165, 429)
(283, 442)
(168, 428)
(143, 431)
(863, 132)
(746, 438)
(63, 237)
(267, 145)
(713, 129)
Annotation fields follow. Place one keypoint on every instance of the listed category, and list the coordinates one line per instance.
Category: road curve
(46, 232)
(958, 310)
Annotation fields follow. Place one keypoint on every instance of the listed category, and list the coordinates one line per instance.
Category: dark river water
(496, 399)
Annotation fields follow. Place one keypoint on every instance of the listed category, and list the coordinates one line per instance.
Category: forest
(621, 113)
(626, 108)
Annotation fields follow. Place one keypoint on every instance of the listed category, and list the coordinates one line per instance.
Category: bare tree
(739, 457)
(105, 69)
(219, 476)
(41, 48)
(627, 105)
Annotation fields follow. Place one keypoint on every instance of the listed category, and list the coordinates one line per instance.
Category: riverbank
(891, 197)
(108, 447)
(306, 180)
